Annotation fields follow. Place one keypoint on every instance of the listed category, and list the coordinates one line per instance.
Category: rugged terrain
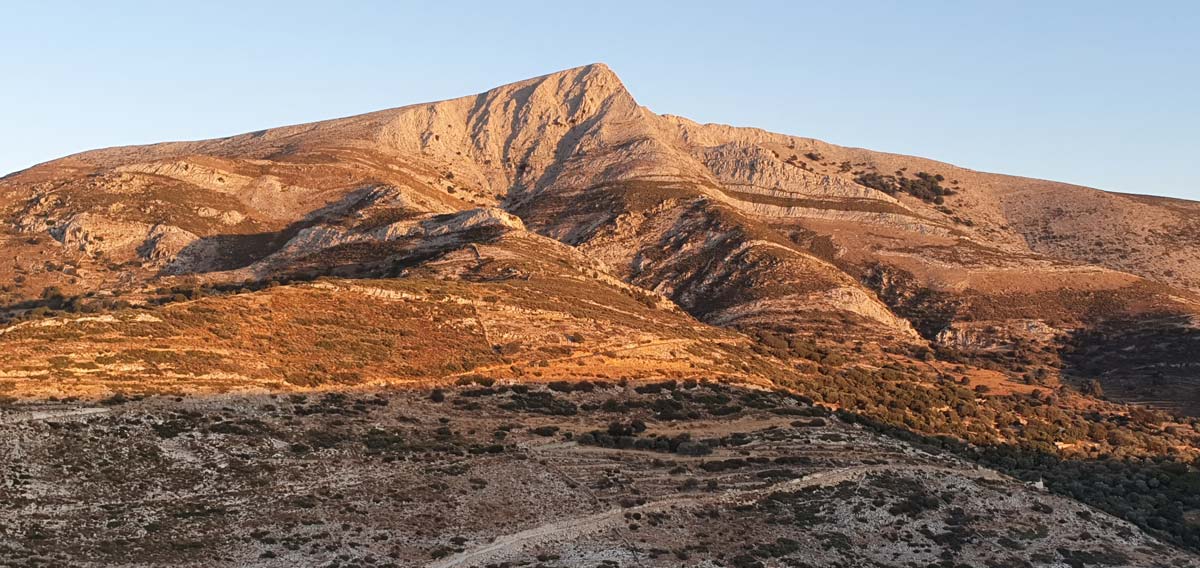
(739, 227)
(555, 230)
(558, 474)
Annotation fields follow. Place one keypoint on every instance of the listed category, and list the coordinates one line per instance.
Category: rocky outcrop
(440, 231)
(786, 309)
(752, 168)
(95, 234)
(164, 243)
(194, 173)
(974, 336)
(159, 245)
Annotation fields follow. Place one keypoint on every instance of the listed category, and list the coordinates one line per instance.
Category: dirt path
(571, 528)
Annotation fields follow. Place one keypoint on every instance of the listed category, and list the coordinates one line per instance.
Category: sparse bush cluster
(1152, 492)
(925, 186)
(794, 345)
(626, 438)
(53, 301)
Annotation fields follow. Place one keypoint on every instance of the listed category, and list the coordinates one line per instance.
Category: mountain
(555, 230)
(739, 227)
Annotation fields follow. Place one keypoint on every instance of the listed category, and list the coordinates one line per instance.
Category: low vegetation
(656, 474)
(924, 186)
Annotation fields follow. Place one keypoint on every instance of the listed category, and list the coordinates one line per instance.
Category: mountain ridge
(741, 226)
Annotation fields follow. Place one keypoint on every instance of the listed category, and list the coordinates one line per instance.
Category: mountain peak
(594, 82)
(595, 71)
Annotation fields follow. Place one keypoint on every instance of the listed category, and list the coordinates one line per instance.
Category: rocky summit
(543, 325)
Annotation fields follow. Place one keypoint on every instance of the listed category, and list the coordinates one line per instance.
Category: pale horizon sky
(1102, 94)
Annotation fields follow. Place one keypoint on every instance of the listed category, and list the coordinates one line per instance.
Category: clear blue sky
(1105, 94)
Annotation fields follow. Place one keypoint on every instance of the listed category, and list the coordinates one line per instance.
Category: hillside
(579, 474)
(740, 227)
(555, 230)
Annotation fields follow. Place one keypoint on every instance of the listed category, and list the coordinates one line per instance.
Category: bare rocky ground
(682, 473)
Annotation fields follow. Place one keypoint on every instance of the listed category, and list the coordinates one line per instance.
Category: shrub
(1092, 388)
(540, 403)
(925, 186)
(773, 341)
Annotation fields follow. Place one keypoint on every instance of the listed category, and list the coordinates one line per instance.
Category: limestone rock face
(750, 168)
(194, 173)
(164, 243)
(475, 219)
(1004, 334)
(424, 231)
(93, 234)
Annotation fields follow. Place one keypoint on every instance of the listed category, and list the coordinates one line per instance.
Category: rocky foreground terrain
(560, 474)
(223, 351)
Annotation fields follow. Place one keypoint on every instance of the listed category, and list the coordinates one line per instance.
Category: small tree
(1093, 388)
(52, 297)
